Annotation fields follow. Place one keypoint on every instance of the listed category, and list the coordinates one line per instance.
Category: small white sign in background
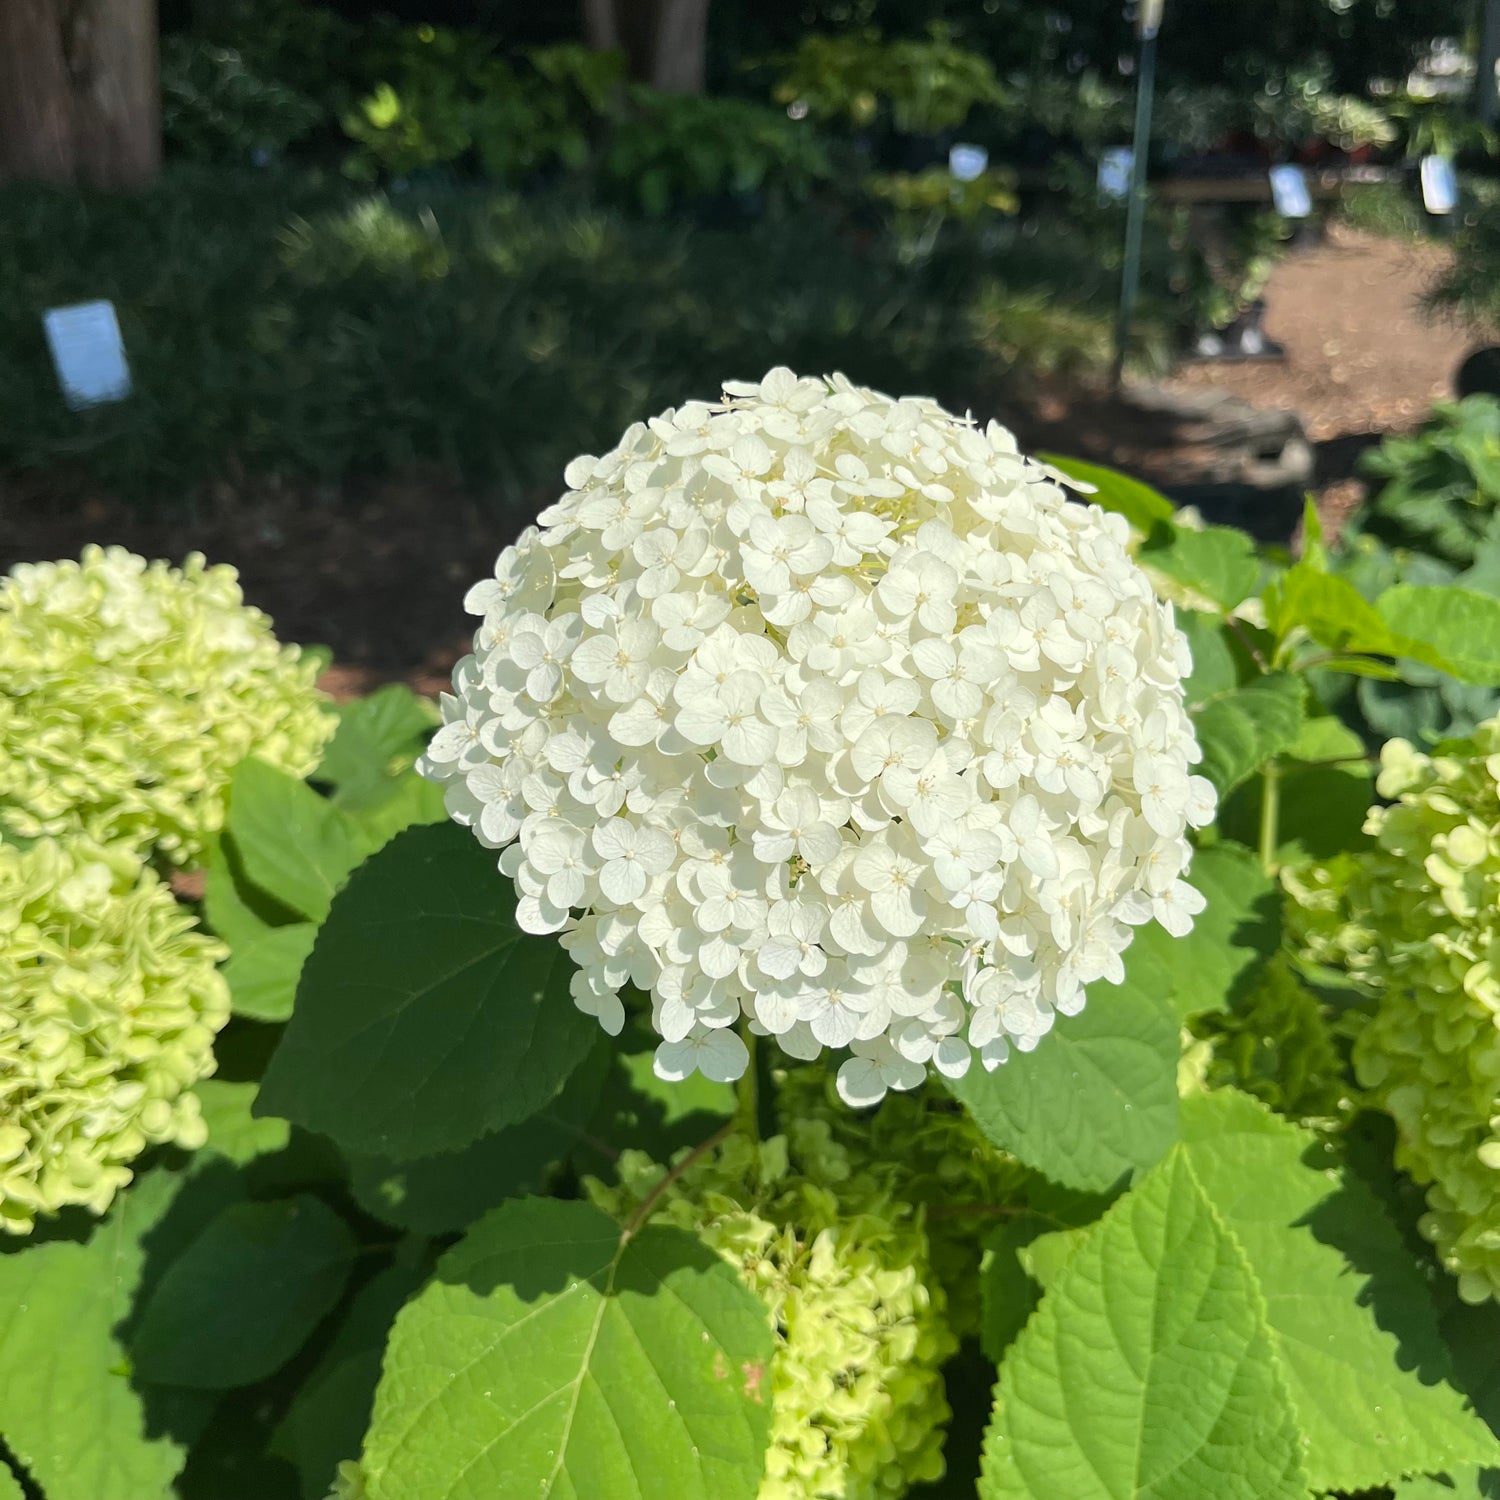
(1115, 166)
(968, 162)
(1439, 185)
(88, 353)
(1289, 192)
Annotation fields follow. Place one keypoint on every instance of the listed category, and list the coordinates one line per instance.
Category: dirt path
(1362, 357)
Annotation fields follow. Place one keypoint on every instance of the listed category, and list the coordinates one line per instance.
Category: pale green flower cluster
(109, 1003)
(842, 1265)
(1416, 922)
(131, 692)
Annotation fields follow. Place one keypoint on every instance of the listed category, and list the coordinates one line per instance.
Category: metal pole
(1486, 98)
(1135, 214)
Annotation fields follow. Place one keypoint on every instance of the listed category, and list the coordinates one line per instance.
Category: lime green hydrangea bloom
(858, 1407)
(109, 1003)
(132, 690)
(942, 1163)
(1416, 923)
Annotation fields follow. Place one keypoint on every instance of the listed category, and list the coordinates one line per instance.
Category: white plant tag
(1439, 185)
(1115, 167)
(87, 353)
(1289, 192)
(967, 162)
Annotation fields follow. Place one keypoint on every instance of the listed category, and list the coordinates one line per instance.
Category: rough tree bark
(79, 96)
(664, 41)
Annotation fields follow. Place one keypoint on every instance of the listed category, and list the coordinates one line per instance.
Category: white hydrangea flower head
(834, 713)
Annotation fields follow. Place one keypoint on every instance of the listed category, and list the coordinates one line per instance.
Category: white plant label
(1289, 192)
(968, 162)
(1115, 167)
(1439, 185)
(88, 353)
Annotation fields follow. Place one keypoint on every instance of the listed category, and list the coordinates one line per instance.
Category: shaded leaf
(425, 1017)
(378, 739)
(244, 1296)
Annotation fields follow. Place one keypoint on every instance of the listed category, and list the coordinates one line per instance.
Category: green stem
(1270, 813)
(746, 1116)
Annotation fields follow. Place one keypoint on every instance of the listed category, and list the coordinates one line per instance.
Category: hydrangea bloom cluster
(109, 1004)
(833, 712)
(132, 690)
(858, 1407)
(1416, 920)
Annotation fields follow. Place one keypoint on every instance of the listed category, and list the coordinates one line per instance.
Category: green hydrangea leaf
(593, 1364)
(1240, 730)
(1216, 667)
(1460, 628)
(233, 1131)
(425, 1017)
(70, 1412)
(232, 906)
(408, 801)
(1218, 562)
(1096, 1099)
(262, 974)
(1147, 1370)
(1142, 506)
(450, 1190)
(10, 1486)
(325, 1423)
(1331, 610)
(1235, 933)
(292, 843)
(379, 737)
(1367, 1416)
(243, 1297)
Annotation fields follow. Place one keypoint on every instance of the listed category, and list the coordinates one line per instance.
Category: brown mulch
(377, 571)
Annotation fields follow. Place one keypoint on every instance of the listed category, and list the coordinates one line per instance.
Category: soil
(372, 570)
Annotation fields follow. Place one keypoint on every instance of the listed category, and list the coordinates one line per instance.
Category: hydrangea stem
(1270, 814)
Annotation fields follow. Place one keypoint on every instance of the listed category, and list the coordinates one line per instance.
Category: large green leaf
(262, 974)
(379, 737)
(425, 1017)
(326, 1421)
(1217, 562)
(292, 843)
(1240, 730)
(1146, 1371)
(1367, 1417)
(1142, 506)
(1096, 1099)
(69, 1410)
(1235, 933)
(1216, 663)
(10, 1486)
(554, 1356)
(436, 1194)
(1460, 627)
(244, 1296)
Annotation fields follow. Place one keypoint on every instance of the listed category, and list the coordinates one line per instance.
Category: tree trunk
(664, 41)
(79, 97)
